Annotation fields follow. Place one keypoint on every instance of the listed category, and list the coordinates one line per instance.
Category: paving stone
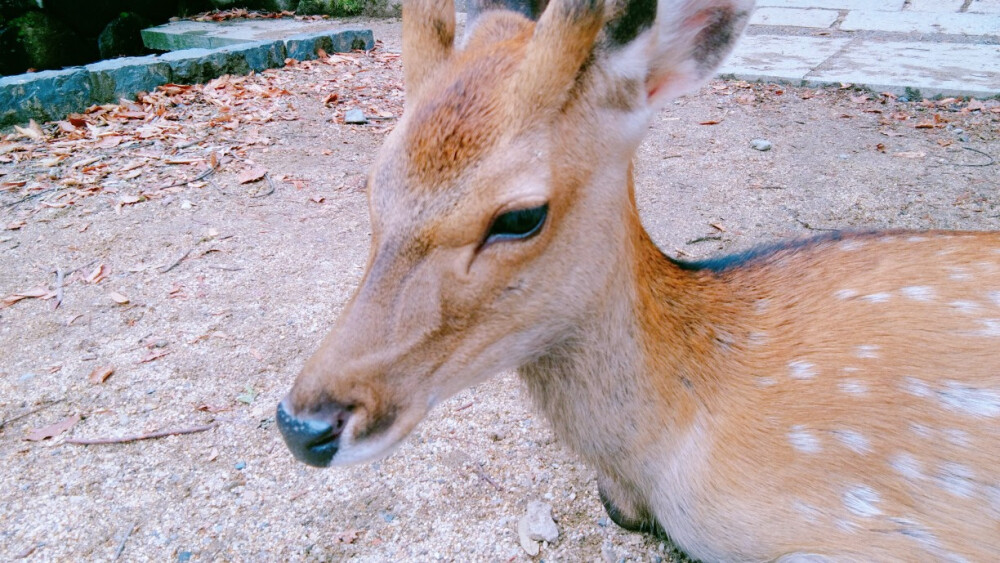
(917, 22)
(946, 69)
(43, 96)
(123, 78)
(259, 56)
(985, 7)
(186, 34)
(953, 6)
(303, 47)
(780, 57)
(885, 5)
(795, 17)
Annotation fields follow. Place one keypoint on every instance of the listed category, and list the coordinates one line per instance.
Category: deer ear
(428, 40)
(682, 42)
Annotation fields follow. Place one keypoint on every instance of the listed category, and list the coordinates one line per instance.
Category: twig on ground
(199, 177)
(30, 196)
(990, 163)
(270, 185)
(139, 437)
(121, 545)
(29, 413)
(176, 262)
(60, 276)
(703, 239)
(810, 227)
(482, 475)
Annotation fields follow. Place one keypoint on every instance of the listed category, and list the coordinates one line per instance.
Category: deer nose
(315, 439)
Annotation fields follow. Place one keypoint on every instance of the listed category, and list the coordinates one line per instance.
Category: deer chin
(378, 438)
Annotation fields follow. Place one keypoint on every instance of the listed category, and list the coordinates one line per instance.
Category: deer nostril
(313, 439)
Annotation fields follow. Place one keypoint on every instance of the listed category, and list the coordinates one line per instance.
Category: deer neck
(626, 357)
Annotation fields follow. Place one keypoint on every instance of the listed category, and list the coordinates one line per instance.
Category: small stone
(843, 156)
(355, 116)
(903, 99)
(240, 465)
(761, 144)
(184, 556)
(186, 204)
(602, 522)
(539, 522)
(527, 544)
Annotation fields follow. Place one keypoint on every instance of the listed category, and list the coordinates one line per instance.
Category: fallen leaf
(14, 225)
(317, 199)
(99, 273)
(910, 154)
(247, 396)
(129, 199)
(40, 293)
(205, 407)
(347, 536)
(32, 131)
(153, 356)
(924, 125)
(710, 122)
(109, 142)
(52, 430)
(251, 174)
(118, 298)
(718, 226)
(100, 374)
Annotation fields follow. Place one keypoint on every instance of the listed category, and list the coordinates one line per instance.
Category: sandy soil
(218, 336)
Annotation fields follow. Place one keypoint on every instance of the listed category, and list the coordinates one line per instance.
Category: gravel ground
(229, 290)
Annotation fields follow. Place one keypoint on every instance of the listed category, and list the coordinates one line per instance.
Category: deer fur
(830, 399)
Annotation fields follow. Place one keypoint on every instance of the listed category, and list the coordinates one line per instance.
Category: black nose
(313, 440)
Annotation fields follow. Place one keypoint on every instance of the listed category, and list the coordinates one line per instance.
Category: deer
(834, 398)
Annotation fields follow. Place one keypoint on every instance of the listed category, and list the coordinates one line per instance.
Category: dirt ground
(206, 298)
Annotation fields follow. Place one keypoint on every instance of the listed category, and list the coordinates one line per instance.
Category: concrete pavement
(908, 47)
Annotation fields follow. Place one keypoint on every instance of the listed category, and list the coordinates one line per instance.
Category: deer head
(499, 205)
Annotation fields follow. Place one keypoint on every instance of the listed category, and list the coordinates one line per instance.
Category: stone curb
(52, 94)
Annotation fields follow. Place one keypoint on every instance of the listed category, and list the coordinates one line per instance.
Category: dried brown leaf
(251, 174)
(118, 298)
(100, 374)
(52, 430)
(154, 355)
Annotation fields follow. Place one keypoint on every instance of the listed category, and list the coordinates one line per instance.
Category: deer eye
(519, 224)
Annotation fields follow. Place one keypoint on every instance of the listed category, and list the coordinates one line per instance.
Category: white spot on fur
(810, 512)
(803, 440)
(877, 297)
(957, 479)
(862, 501)
(917, 239)
(850, 245)
(757, 338)
(854, 440)
(991, 327)
(850, 369)
(907, 466)
(970, 400)
(847, 525)
(799, 369)
(764, 381)
(920, 430)
(993, 496)
(958, 437)
(995, 297)
(866, 351)
(845, 294)
(918, 292)
(761, 305)
(853, 386)
(959, 274)
(967, 307)
(916, 387)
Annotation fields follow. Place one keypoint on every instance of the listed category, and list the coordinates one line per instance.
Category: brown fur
(836, 399)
